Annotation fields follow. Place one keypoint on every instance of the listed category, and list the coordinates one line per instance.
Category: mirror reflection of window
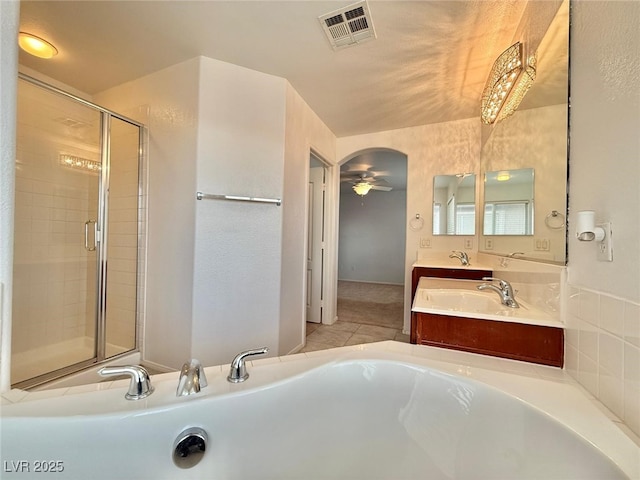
(507, 218)
(451, 215)
(454, 207)
(466, 219)
(436, 219)
(508, 205)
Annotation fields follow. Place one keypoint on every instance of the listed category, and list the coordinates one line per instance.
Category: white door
(315, 247)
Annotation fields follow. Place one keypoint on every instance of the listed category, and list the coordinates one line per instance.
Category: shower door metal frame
(101, 238)
(103, 257)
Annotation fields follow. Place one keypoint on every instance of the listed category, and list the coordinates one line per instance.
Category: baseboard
(373, 283)
(335, 319)
(157, 366)
(296, 349)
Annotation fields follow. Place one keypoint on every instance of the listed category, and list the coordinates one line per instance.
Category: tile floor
(367, 313)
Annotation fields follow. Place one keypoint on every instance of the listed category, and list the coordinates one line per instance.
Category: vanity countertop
(449, 263)
(461, 298)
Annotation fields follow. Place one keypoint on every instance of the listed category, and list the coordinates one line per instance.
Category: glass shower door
(121, 239)
(58, 164)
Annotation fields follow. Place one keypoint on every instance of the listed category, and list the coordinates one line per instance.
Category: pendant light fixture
(511, 77)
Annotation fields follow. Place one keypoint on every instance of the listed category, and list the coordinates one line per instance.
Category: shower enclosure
(77, 244)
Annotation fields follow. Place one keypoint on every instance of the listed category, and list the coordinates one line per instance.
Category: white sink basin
(461, 298)
(464, 301)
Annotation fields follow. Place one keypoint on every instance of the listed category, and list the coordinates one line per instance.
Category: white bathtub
(385, 411)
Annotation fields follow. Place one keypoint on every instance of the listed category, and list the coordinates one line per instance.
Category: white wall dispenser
(587, 231)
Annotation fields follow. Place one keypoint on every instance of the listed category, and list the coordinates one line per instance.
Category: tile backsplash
(602, 350)
(539, 284)
(602, 332)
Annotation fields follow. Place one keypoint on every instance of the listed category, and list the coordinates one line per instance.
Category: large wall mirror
(508, 202)
(533, 140)
(454, 204)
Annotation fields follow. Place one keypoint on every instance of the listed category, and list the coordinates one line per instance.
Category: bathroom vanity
(469, 273)
(452, 313)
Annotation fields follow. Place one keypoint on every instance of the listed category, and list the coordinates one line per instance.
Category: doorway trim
(329, 313)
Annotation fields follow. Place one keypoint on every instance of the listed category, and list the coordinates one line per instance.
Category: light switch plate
(425, 242)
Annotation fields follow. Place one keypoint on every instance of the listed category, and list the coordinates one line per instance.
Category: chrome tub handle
(238, 371)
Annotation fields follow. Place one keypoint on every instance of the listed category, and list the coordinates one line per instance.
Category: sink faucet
(140, 386)
(462, 256)
(504, 289)
(192, 378)
(238, 372)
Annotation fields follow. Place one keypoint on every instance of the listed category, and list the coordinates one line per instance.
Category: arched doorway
(371, 245)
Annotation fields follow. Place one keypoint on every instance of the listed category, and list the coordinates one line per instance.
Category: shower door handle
(86, 235)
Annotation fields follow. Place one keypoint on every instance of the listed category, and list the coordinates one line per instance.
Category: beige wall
(304, 132)
(168, 101)
(438, 149)
(237, 256)
(241, 266)
(603, 334)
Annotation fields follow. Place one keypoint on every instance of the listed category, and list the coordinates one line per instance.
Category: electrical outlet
(488, 243)
(468, 243)
(605, 247)
(425, 242)
(543, 244)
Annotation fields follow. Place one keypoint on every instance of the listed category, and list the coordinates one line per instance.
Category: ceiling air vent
(348, 26)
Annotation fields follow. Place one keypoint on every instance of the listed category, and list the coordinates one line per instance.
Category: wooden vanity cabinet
(516, 341)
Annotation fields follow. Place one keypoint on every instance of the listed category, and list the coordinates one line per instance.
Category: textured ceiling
(428, 63)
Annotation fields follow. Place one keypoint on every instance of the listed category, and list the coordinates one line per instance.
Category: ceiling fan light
(362, 188)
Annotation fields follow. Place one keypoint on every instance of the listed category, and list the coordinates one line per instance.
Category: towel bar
(237, 198)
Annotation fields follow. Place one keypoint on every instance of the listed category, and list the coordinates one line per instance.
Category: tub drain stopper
(189, 447)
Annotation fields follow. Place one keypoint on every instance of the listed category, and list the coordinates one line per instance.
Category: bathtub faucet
(462, 256)
(504, 289)
(140, 386)
(238, 372)
(192, 378)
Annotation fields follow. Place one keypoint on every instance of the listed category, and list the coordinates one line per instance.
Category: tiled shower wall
(50, 264)
(51, 273)
(602, 350)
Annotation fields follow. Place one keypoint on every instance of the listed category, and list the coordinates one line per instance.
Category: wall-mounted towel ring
(416, 223)
(555, 220)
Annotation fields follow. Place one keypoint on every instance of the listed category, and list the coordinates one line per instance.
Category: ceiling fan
(362, 184)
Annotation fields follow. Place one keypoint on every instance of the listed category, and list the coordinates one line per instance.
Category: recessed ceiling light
(36, 46)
